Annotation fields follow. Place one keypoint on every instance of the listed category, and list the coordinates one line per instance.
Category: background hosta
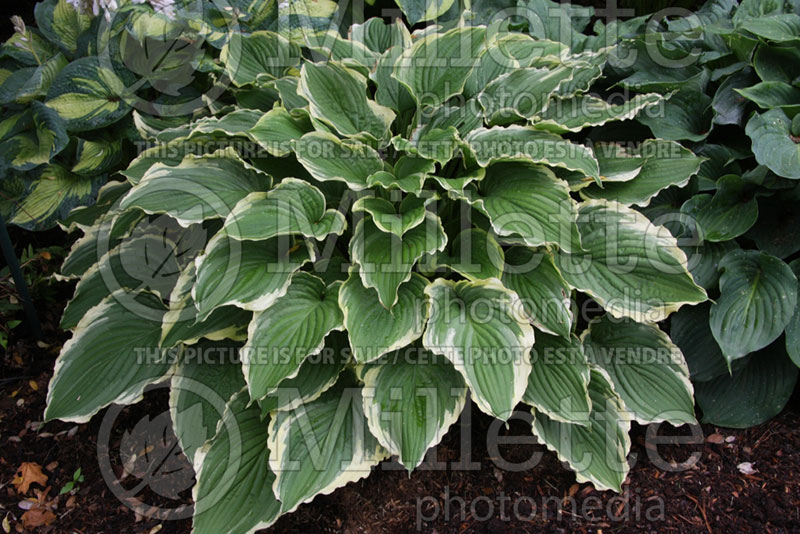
(737, 105)
(362, 233)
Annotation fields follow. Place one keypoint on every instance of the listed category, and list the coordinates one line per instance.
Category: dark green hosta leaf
(690, 331)
(492, 351)
(633, 268)
(773, 143)
(422, 10)
(474, 254)
(390, 92)
(704, 261)
(204, 380)
(247, 274)
(558, 385)
(294, 327)
(777, 63)
(84, 217)
(28, 48)
(385, 260)
(234, 481)
(437, 65)
(409, 214)
(276, 130)
(687, 115)
(337, 97)
(372, 329)
(729, 106)
(200, 188)
(523, 143)
(769, 95)
(53, 192)
(583, 111)
(597, 448)
(754, 394)
(780, 28)
(321, 446)
(259, 56)
(328, 158)
(777, 230)
(87, 95)
(793, 328)
(728, 214)
(648, 371)
(292, 207)
(666, 163)
(544, 293)
(25, 85)
(411, 399)
(112, 355)
(527, 201)
(757, 300)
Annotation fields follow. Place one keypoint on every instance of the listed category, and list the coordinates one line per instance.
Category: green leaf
(728, 214)
(61, 23)
(259, 56)
(203, 382)
(408, 175)
(522, 93)
(234, 482)
(87, 96)
(758, 294)
(544, 293)
(583, 111)
(96, 157)
(327, 158)
(704, 261)
(777, 63)
(379, 36)
(372, 329)
(729, 106)
(42, 139)
(527, 201)
(526, 144)
(687, 115)
(631, 267)
(292, 207)
(409, 214)
(422, 10)
(773, 143)
(27, 84)
(237, 123)
(247, 274)
(200, 188)
(769, 95)
(337, 97)
(666, 163)
(474, 254)
(597, 449)
(690, 331)
(277, 129)
(558, 385)
(321, 446)
(294, 327)
(411, 399)
(112, 355)
(385, 260)
(492, 350)
(753, 395)
(647, 370)
(437, 65)
(793, 328)
(779, 28)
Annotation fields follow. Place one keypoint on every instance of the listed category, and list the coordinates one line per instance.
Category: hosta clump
(396, 229)
(735, 101)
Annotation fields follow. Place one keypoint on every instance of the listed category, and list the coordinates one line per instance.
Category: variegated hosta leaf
(385, 260)
(105, 235)
(474, 254)
(96, 157)
(294, 327)
(584, 111)
(260, 55)
(327, 158)
(411, 399)
(773, 143)
(758, 295)
(321, 445)
(521, 93)
(204, 379)
(373, 330)
(337, 96)
(524, 143)
(349, 53)
(61, 23)
(527, 201)
(234, 482)
(666, 163)
(630, 266)
(379, 36)
(437, 66)
(200, 188)
(247, 274)
(409, 214)
(596, 450)
(170, 155)
(112, 355)
(84, 217)
(237, 123)
(422, 10)
(479, 326)
(292, 207)
(558, 385)
(408, 175)
(544, 293)
(648, 371)
(277, 129)
(686, 115)
(42, 138)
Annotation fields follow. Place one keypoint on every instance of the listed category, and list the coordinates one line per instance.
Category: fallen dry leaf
(716, 439)
(37, 517)
(746, 468)
(27, 474)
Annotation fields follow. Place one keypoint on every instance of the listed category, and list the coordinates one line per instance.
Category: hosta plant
(374, 229)
(736, 102)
